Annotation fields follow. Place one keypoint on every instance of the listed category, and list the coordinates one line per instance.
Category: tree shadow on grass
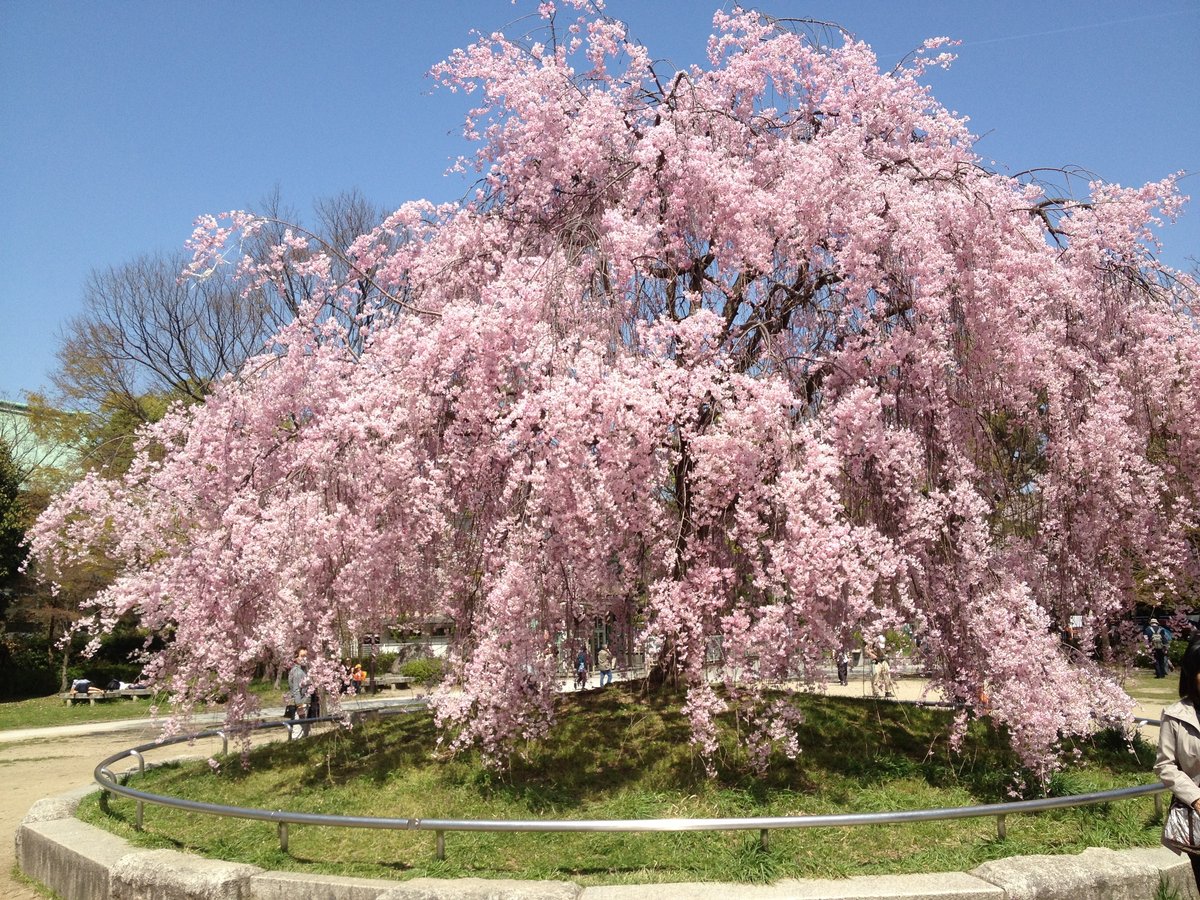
(604, 742)
(608, 740)
(374, 749)
(618, 738)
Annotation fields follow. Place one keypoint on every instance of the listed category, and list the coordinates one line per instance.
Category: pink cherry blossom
(748, 360)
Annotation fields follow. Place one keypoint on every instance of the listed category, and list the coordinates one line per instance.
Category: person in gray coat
(299, 693)
(1178, 762)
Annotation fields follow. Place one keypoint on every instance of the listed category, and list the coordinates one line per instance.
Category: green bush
(1176, 650)
(24, 670)
(424, 671)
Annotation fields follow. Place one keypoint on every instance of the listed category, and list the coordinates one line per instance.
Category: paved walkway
(200, 721)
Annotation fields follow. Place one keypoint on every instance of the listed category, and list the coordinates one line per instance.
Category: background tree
(143, 328)
(282, 245)
(12, 550)
(34, 619)
(12, 525)
(757, 356)
(147, 337)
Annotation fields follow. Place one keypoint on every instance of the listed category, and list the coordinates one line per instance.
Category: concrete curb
(80, 862)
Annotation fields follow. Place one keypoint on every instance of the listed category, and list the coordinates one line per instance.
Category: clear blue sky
(120, 122)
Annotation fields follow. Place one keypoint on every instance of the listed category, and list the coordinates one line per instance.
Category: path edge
(82, 862)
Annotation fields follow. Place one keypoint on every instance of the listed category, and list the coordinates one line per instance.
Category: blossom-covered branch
(756, 357)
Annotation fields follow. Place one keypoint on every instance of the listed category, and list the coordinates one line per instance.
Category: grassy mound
(617, 754)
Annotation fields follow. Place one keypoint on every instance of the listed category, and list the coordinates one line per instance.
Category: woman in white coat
(1178, 762)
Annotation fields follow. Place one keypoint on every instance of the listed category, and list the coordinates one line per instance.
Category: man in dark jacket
(1159, 639)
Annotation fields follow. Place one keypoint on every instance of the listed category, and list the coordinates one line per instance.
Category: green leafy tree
(34, 620)
(12, 525)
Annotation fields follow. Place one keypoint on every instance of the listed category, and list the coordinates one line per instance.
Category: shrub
(424, 671)
(24, 670)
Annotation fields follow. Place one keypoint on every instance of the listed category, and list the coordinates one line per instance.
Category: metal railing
(282, 818)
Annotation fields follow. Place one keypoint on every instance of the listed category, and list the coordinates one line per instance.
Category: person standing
(300, 694)
(843, 666)
(604, 660)
(1178, 760)
(581, 667)
(881, 672)
(1159, 639)
(358, 678)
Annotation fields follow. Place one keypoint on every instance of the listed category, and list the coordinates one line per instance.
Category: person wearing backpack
(1159, 639)
(581, 668)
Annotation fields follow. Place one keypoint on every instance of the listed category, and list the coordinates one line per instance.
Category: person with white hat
(1159, 639)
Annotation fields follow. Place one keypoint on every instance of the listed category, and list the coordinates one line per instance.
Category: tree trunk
(63, 678)
(665, 669)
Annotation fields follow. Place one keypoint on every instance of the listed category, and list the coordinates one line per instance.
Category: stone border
(81, 862)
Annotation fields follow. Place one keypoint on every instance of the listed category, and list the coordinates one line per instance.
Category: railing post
(104, 792)
(137, 819)
(1158, 810)
(1001, 831)
(441, 844)
(283, 837)
(762, 840)
(224, 743)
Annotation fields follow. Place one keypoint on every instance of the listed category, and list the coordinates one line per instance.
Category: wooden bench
(399, 682)
(72, 697)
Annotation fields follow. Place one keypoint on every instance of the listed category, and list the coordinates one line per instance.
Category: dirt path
(45, 767)
(40, 768)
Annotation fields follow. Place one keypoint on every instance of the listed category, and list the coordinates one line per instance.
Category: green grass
(619, 755)
(41, 712)
(30, 884)
(1151, 691)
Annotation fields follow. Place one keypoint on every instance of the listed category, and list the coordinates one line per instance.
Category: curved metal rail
(104, 776)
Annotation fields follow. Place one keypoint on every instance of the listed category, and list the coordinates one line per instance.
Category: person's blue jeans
(605, 677)
(1160, 663)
